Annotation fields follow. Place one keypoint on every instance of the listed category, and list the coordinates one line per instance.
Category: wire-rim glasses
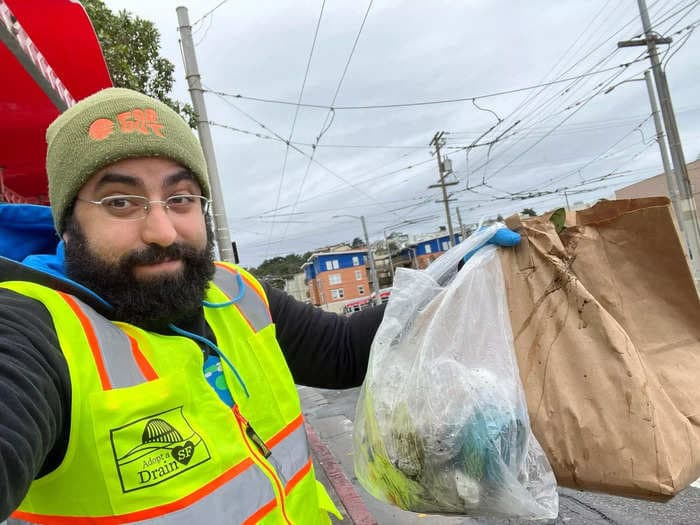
(135, 207)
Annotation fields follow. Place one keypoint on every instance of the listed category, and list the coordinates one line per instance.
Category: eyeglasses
(135, 207)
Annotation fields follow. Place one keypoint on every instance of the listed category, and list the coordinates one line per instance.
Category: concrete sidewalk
(330, 415)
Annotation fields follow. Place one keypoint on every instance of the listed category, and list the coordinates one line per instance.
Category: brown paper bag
(606, 322)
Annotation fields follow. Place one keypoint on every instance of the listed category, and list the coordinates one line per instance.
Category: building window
(332, 265)
(358, 275)
(355, 260)
(337, 293)
(445, 246)
(334, 278)
(428, 249)
(360, 289)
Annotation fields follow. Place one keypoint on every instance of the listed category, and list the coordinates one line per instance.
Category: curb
(356, 509)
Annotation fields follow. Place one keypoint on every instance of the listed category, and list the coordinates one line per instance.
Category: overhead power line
(208, 13)
(296, 113)
(328, 122)
(357, 187)
(424, 103)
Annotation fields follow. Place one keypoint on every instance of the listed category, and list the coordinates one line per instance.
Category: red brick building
(336, 278)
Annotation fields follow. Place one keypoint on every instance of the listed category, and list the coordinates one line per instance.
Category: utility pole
(439, 141)
(690, 229)
(372, 269)
(223, 239)
(461, 225)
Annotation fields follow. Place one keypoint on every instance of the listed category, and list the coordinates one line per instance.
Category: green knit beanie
(111, 125)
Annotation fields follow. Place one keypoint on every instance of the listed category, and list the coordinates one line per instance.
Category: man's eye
(119, 203)
(180, 200)
(123, 203)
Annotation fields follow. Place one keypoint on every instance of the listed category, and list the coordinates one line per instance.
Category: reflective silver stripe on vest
(291, 454)
(232, 503)
(115, 349)
(251, 305)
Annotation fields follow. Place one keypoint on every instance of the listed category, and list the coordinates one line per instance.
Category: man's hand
(503, 237)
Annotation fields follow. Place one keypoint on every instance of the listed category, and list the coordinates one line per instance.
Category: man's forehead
(142, 172)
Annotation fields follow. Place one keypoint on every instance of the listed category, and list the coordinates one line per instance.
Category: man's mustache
(157, 254)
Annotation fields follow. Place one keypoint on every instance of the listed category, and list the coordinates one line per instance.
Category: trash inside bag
(441, 423)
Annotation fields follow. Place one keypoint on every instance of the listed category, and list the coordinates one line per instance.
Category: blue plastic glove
(503, 237)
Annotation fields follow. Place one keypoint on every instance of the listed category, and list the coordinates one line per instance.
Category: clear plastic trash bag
(441, 423)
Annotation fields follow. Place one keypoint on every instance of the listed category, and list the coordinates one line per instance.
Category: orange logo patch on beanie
(143, 121)
(101, 129)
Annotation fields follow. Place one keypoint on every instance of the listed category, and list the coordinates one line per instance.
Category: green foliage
(558, 218)
(276, 270)
(131, 47)
(357, 243)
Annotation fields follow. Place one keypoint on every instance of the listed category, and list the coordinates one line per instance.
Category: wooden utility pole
(439, 141)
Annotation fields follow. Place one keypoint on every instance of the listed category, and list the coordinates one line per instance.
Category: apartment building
(420, 253)
(336, 278)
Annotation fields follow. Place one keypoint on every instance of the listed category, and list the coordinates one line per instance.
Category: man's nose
(158, 228)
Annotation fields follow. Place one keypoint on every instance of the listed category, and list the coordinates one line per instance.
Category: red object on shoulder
(62, 33)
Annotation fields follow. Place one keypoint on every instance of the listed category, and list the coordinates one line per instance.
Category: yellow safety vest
(152, 442)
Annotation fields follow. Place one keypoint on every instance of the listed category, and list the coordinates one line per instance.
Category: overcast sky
(484, 56)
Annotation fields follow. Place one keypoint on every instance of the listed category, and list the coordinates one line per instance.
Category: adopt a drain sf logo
(156, 448)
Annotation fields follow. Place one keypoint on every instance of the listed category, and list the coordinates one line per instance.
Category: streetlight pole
(391, 262)
(372, 269)
(689, 224)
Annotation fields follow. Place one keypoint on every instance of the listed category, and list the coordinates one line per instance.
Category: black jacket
(322, 350)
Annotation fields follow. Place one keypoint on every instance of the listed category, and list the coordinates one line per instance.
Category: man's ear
(65, 237)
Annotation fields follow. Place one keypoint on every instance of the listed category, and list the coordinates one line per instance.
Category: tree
(277, 270)
(357, 243)
(131, 47)
(529, 211)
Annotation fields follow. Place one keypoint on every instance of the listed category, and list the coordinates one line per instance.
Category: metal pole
(661, 140)
(372, 269)
(223, 239)
(689, 219)
(461, 225)
(391, 261)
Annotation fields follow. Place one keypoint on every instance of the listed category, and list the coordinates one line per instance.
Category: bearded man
(140, 381)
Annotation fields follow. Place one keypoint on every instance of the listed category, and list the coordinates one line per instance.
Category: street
(331, 413)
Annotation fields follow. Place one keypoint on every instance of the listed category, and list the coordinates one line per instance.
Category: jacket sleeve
(34, 397)
(323, 349)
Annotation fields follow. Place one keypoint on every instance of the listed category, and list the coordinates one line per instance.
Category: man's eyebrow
(110, 178)
(173, 179)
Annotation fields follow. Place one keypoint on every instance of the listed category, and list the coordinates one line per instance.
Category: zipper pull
(252, 435)
(262, 447)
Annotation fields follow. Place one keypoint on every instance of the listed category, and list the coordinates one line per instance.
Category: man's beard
(149, 302)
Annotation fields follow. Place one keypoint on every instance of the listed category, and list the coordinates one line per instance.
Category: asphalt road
(331, 413)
